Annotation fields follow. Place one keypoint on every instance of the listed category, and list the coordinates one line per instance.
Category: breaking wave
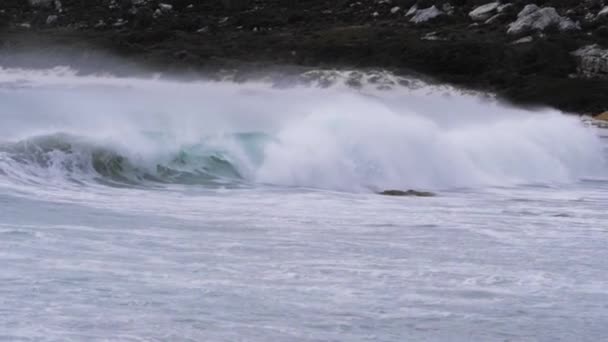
(58, 126)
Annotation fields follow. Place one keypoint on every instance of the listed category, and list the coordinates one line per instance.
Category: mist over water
(151, 209)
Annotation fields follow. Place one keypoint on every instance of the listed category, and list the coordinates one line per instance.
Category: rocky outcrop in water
(529, 52)
(412, 193)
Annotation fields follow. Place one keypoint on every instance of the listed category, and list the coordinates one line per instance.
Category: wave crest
(76, 159)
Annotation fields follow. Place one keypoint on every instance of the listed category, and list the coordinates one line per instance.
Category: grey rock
(41, 3)
(448, 8)
(484, 12)
(51, 19)
(165, 7)
(424, 15)
(534, 18)
(592, 61)
(412, 11)
(431, 36)
(504, 8)
(526, 39)
(495, 19)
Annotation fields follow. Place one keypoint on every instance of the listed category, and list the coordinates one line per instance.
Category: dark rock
(144, 18)
(601, 31)
(592, 61)
(412, 193)
(181, 54)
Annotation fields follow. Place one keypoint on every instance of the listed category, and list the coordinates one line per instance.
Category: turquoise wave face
(76, 158)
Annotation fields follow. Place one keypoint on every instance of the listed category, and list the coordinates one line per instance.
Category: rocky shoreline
(551, 53)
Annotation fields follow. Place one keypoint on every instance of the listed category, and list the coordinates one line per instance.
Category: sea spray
(137, 130)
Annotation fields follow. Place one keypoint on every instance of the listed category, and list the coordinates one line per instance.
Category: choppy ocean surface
(136, 209)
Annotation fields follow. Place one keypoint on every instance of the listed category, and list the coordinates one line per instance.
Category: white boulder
(165, 7)
(484, 12)
(534, 18)
(426, 14)
(412, 11)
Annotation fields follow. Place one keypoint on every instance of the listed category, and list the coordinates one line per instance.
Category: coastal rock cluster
(552, 52)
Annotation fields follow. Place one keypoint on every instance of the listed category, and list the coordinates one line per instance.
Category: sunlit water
(151, 210)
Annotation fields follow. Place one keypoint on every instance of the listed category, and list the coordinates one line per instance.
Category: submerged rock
(534, 18)
(413, 193)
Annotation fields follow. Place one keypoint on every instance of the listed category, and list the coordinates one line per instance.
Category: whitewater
(150, 208)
